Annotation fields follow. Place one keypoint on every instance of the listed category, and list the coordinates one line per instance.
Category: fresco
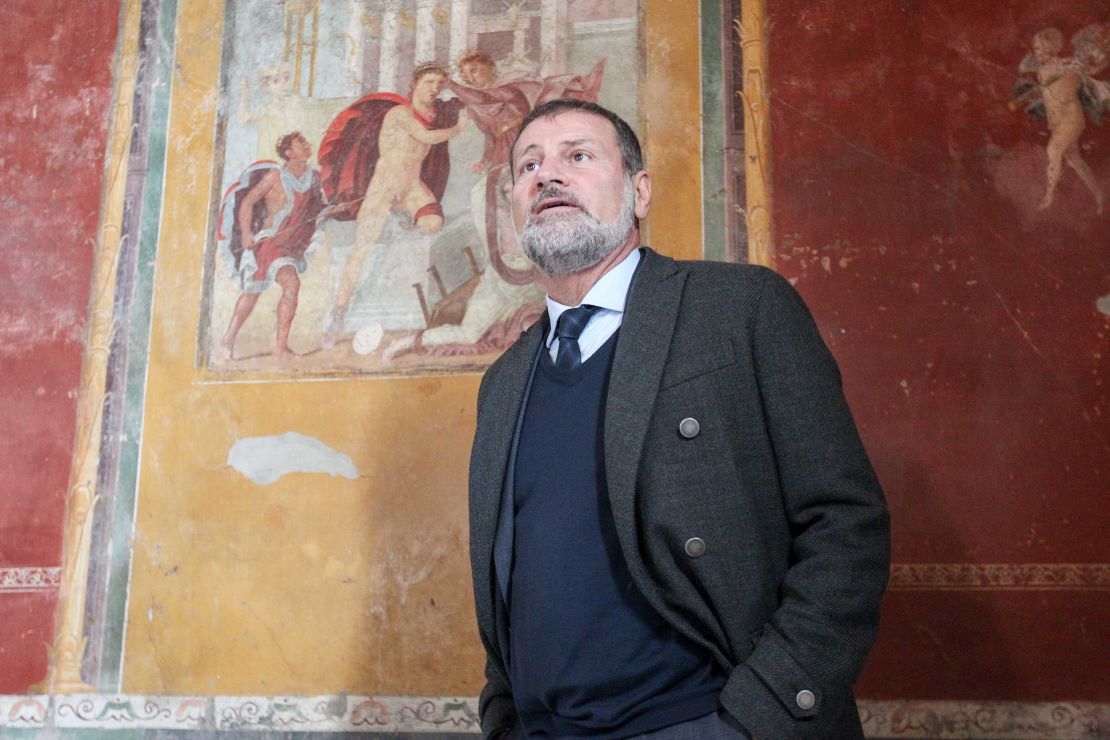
(1063, 88)
(940, 176)
(361, 223)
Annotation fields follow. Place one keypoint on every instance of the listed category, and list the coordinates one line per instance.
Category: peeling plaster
(266, 459)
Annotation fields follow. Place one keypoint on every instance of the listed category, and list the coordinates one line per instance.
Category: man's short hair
(285, 142)
(475, 56)
(632, 159)
(427, 69)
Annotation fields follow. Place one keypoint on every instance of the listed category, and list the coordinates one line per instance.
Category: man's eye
(580, 156)
(529, 166)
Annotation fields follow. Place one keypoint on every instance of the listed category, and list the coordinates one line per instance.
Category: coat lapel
(641, 353)
(497, 424)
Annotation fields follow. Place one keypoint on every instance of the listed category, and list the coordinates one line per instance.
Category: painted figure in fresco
(382, 153)
(505, 302)
(270, 216)
(675, 529)
(1064, 89)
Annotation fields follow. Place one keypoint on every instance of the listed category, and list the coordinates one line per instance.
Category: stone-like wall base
(440, 715)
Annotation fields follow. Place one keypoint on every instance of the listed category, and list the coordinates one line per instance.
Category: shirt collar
(610, 292)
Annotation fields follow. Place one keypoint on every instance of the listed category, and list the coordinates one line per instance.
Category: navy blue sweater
(589, 657)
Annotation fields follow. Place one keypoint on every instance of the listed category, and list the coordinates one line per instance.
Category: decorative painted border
(336, 713)
(459, 715)
(22, 580)
(965, 719)
(1000, 577)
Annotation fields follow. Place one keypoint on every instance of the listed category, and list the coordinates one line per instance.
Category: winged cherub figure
(1064, 89)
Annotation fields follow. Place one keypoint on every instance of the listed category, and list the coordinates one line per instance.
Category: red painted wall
(965, 321)
(55, 93)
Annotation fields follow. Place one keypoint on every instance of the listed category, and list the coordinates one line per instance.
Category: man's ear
(641, 182)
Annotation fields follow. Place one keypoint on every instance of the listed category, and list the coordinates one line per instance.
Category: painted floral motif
(14, 580)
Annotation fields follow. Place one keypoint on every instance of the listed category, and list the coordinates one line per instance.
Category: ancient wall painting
(1059, 85)
(361, 224)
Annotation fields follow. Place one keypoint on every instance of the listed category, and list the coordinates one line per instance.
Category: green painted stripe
(160, 52)
(713, 136)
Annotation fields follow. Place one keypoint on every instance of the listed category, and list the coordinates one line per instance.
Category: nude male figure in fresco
(273, 212)
(400, 145)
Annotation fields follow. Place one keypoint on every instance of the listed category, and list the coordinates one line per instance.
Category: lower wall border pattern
(333, 713)
(341, 713)
(22, 580)
(1000, 577)
(971, 719)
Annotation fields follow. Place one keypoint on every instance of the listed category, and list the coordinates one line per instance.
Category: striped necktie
(567, 330)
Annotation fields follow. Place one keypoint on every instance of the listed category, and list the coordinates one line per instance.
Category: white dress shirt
(609, 294)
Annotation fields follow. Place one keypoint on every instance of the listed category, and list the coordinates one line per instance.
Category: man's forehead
(568, 127)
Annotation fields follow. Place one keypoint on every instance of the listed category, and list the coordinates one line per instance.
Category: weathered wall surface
(971, 329)
(351, 576)
(56, 67)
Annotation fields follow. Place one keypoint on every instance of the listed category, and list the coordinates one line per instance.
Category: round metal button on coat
(689, 427)
(695, 547)
(805, 699)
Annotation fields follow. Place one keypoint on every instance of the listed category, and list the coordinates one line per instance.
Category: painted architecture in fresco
(362, 222)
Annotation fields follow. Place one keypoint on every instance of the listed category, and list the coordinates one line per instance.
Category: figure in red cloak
(273, 211)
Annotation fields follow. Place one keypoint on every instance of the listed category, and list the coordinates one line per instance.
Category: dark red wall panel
(56, 73)
(967, 323)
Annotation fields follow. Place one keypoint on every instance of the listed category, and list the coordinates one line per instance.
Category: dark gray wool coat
(776, 483)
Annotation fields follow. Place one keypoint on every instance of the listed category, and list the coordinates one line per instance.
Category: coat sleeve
(495, 705)
(496, 711)
(814, 645)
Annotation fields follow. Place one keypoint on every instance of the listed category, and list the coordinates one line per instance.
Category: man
(385, 152)
(675, 530)
(273, 212)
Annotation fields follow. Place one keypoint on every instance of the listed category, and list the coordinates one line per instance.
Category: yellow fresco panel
(317, 583)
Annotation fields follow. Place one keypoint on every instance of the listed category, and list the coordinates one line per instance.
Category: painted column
(754, 30)
(553, 37)
(425, 32)
(460, 12)
(64, 675)
(356, 49)
(391, 30)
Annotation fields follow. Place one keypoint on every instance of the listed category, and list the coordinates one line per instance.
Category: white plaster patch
(265, 459)
(1103, 304)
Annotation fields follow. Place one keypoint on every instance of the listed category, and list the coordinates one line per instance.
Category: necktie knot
(570, 326)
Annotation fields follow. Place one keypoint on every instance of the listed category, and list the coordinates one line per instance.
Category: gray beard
(567, 243)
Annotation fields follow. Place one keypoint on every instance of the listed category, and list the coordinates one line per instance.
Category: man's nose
(550, 171)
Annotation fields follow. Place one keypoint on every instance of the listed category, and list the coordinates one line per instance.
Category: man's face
(477, 74)
(425, 89)
(572, 202)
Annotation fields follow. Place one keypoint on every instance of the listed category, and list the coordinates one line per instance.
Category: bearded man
(675, 529)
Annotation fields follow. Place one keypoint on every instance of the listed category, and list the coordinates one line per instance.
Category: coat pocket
(684, 366)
